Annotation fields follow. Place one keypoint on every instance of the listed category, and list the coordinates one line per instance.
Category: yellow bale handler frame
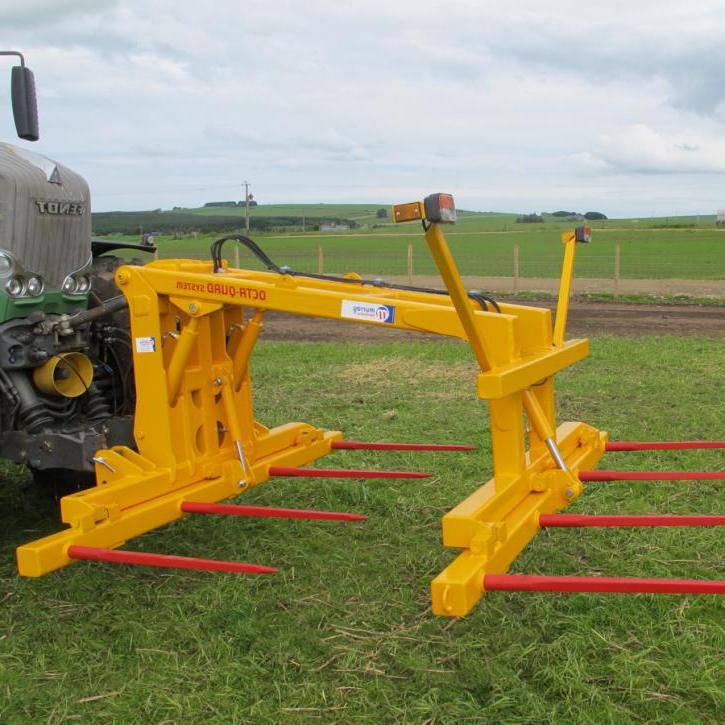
(194, 327)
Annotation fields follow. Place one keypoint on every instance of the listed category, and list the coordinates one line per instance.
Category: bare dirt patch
(435, 380)
(580, 285)
(585, 319)
(402, 368)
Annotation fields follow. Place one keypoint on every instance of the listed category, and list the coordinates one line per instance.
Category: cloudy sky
(516, 106)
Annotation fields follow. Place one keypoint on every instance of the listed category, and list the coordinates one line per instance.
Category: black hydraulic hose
(483, 300)
(250, 244)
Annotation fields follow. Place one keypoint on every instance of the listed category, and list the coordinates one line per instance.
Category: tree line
(570, 215)
(137, 222)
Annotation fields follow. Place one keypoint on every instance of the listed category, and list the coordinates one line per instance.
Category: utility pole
(246, 204)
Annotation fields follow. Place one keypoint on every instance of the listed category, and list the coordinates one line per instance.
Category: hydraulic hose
(216, 251)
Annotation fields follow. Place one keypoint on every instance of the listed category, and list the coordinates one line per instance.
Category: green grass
(344, 632)
(496, 221)
(483, 245)
(364, 213)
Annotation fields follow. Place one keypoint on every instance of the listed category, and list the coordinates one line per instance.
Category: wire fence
(517, 264)
(618, 262)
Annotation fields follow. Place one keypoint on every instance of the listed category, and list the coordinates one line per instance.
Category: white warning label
(145, 344)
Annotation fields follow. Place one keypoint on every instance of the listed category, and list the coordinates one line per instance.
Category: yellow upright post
(568, 239)
(452, 279)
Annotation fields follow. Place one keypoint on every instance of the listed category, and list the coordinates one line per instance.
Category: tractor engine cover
(45, 220)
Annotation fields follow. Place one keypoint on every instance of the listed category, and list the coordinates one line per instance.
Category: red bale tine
(364, 446)
(662, 445)
(587, 520)
(611, 585)
(605, 475)
(165, 561)
(226, 509)
(341, 473)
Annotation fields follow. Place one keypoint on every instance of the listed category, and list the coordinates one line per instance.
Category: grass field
(678, 247)
(361, 213)
(495, 221)
(344, 632)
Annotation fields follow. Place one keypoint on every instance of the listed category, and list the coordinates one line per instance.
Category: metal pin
(103, 462)
(556, 454)
(242, 458)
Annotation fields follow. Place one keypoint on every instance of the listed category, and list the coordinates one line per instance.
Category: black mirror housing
(25, 106)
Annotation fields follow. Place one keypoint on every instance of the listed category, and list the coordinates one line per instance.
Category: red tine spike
(193, 507)
(341, 473)
(138, 558)
(651, 476)
(662, 445)
(364, 446)
(576, 520)
(614, 585)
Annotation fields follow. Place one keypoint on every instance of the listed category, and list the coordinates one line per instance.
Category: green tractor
(66, 375)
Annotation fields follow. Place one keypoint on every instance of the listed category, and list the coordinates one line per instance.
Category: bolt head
(193, 308)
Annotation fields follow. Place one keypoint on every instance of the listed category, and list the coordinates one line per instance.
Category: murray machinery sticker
(368, 311)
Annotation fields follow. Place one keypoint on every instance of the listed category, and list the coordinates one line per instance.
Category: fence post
(410, 264)
(320, 260)
(517, 269)
(617, 266)
(236, 256)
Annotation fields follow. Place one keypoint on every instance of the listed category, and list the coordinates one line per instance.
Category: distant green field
(686, 247)
(363, 213)
(496, 221)
(484, 245)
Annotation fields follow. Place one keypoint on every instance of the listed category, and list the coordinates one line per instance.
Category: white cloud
(518, 106)
(642, 149)
(19, 13)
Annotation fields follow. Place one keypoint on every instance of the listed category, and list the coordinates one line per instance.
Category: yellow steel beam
(443, 258)
(527, 371)
(190, 282)
(110, 514)
(495, 523)
(568, 239)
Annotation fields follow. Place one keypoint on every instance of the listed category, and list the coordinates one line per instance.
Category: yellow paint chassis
(193, 332)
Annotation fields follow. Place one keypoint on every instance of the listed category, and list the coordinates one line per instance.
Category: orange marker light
(440, 208)
(583, 234)
(410, 212)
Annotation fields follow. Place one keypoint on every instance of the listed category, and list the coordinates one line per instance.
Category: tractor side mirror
(25, 106)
